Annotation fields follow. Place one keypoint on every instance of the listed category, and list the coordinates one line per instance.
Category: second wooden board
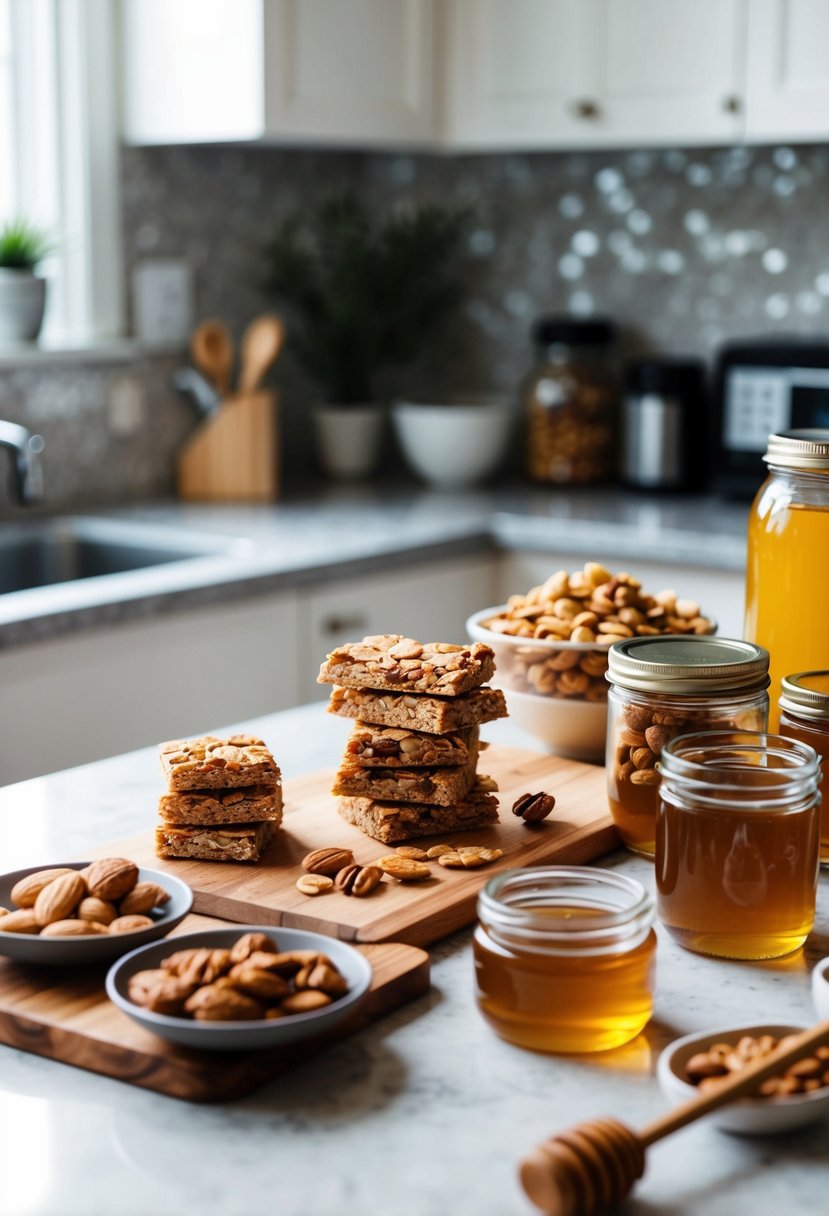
(578, 831)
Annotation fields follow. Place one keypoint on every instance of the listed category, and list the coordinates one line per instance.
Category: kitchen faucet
(28, 473)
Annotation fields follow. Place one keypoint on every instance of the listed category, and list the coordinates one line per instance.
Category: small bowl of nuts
(551, 647)
(240, 988)
(80, 912)
(698, 1062)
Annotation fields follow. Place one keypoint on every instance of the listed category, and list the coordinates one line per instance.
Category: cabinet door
(430, 603)
(788, 70)
(353, 71)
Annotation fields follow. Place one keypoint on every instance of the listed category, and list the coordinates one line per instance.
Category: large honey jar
(662, 687)
(804, 715)
(737, 837)
(788, 542)
(564, 958)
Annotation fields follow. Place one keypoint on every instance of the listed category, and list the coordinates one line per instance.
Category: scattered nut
(406, 850)
(404, 869)
(314, 884)
(708, 1069)
(469, 858)
(532, 808)
(327, 861)
(358, 880)
(438, 850)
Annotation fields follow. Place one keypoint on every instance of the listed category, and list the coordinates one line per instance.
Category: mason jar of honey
(737, 836)
(662, 687)
(564, 958)
(788, 539)
(804, 715)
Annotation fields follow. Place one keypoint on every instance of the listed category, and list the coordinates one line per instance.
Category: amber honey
(804, 715)
(564, 958)
(737, 843)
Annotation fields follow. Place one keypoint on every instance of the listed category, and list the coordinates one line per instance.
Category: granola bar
(395, 821)
(210, 763)
(439, 786)
(251, 805)
(388, 660)
(390, 746)
(218, 842)
(418, 711)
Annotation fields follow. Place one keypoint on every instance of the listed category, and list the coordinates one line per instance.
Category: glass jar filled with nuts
(571, 401)
(661, 687)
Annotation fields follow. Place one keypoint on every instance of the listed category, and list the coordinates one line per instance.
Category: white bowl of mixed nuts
(551, 647)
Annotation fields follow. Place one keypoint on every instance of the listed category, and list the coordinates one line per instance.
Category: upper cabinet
(453, 75)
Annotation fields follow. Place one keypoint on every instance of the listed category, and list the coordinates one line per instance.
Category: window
(59, 155)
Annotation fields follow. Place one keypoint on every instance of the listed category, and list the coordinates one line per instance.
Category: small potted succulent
(362, 294)
(23, 247)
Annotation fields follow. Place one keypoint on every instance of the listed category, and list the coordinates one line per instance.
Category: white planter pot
(456, 444)
(22, 300)
(348, 439)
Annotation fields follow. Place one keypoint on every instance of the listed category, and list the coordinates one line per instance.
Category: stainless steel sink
(41, 553)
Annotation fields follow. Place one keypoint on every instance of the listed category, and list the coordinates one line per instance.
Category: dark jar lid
(806, 695)
(676, 663)
(568, 331)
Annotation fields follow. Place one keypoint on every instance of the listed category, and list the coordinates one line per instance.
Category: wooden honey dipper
(593, 1165)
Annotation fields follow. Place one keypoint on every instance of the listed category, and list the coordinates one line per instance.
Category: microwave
(761, 387)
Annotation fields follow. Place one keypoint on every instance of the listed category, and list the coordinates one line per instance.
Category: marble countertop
(426, 1113)
(334, 531)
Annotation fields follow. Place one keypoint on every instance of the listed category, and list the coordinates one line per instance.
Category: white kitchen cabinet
(720, 593)
(325, 71)
(83, 697)
(428, 602)
(788, 70)
(594, 73)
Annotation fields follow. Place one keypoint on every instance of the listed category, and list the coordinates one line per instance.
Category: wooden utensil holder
(233, 456)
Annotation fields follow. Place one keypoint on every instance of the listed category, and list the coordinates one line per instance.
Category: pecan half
(327, 861)
(532, 808)
(358, 880)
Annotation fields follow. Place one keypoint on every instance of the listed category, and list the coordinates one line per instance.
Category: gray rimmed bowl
(97, 948)
(242, 1036)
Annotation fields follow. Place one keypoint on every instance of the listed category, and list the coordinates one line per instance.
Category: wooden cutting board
(579, 831)
(65, 1015)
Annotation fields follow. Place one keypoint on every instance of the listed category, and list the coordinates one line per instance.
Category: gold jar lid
(806, 449)
(806, 694)
(682, 664)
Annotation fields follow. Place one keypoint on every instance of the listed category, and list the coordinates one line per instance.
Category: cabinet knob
(586, 108)
(732, 104)
(345, 624)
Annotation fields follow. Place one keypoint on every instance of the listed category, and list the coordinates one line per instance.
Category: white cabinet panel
(720, 593)
(81, 698)
(788, 69)
(429, 602)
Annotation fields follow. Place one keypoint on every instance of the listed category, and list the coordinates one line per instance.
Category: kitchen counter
(350, 530)
(426, 1113)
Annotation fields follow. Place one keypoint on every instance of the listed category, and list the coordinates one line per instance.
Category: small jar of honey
(737, 836)
(662, 687)
(804, 715)
(564, 958)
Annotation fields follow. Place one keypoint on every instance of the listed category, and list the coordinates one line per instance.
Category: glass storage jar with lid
(661, 687)
(804, 715)
(564, 957)
(571, 400)
(737, 839)
(788, 539)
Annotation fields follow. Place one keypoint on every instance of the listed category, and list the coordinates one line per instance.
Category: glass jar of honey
(564, 958)
(788, 538)
(737, 836)
(804, 715)
(662, 687)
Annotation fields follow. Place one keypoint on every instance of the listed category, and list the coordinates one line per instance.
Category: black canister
(665, 425)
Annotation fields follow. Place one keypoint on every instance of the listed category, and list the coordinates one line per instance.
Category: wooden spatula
(212, 349)
(261, 343)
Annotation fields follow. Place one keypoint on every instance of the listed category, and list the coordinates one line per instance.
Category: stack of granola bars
(223, 800)
(410, 764)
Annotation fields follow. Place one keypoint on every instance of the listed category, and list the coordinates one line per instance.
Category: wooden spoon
(261, 343)
(212, 349)
(589, 1167)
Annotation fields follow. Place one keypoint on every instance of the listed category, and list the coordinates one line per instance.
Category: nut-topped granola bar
(391, 661)
(259, 803)
(391, 746)
(419, 711)
(210, 763)
(214, 842)
(395, 821)
(439, 786)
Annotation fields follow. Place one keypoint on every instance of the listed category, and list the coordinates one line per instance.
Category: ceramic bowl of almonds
(240, 988)
(78, 912)
(551, 649)
(698, 1062)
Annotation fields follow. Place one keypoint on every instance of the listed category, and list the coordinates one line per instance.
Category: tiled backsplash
(684, 248)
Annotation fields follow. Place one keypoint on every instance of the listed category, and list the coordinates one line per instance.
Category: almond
(111, 878)
(140, 985)
(100, 910)
(248, 944)
(25, 892)
(59, 897)
(256, 982)
(215, 1003)
(130, 924)
(305, 1001)
(22, 921)
(143, 897)
(73, 928)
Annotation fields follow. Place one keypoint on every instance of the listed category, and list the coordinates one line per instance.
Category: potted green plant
(362, 295)
(22, 291)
